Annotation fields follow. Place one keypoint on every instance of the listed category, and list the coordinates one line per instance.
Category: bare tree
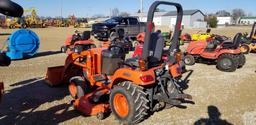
(223, 13)
(115, 12)
(98, 16)
(249, 14)
(124, 14)
(237, 13)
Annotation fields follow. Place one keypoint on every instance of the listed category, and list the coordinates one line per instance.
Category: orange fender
(141, 78)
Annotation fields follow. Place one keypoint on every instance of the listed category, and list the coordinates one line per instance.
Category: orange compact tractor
(78, 42)
(102, 80)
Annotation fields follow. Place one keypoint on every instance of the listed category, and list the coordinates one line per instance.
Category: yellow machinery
(60, 23)
(81, 23)
(13, 23)
(201, 36)
(72, 20)
(249, 43)
(33, 21)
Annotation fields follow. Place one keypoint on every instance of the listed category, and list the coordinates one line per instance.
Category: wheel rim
(121, 105)
(187, 60)
(243, 49)
(226, 63)
(72, 89)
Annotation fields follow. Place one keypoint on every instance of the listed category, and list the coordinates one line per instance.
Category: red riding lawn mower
(78, 42)
(216, 49)
(102, 80)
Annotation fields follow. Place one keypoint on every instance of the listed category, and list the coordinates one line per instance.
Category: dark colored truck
(131, 26)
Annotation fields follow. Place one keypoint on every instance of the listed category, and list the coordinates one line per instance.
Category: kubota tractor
(102, 80)
(8, 8)
(216, 49)
(249, 43)
(78, 42)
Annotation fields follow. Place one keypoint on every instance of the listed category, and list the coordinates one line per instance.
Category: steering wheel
(116, 49)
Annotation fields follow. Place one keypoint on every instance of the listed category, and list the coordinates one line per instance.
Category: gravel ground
(220, 97)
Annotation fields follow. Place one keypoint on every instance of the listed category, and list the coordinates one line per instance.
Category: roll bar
(175, 41)
(253, 32)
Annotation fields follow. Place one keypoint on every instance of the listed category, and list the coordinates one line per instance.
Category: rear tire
(245, 49)
(129, 103)
(227, 63)
(189, 60)
(242, 60)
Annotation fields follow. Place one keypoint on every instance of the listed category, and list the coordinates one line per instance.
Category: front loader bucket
(55, 75)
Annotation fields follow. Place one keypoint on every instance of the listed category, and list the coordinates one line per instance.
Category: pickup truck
(131, 26)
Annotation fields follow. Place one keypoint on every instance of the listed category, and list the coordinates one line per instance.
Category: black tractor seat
(235, 44)
(86, 35)
(156, 50)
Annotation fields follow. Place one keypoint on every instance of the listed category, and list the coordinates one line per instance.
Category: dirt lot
(227, 98)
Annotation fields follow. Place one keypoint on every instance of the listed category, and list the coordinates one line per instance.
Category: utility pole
(141, 6)
(141, 10)
(61, 7)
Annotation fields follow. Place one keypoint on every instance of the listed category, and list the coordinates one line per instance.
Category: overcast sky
(85, 8)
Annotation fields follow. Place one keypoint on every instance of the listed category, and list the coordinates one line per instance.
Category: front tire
(227, 63)
(76, 87)
(129, 103)
(189, 60)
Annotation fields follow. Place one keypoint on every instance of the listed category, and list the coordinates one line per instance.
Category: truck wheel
(242, 60)
(189, 60)
(129, 103)
(227, 63)
(245, 49)
(76, 87)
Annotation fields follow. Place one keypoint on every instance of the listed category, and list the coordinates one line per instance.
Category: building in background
(247, 20)
(224, 21)
(191, 18)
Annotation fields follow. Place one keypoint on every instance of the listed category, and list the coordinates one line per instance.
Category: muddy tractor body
(249, 43)
(78, 42)
(226, 54)
(103, 80)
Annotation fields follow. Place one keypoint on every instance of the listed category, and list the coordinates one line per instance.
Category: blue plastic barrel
(22, 44)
